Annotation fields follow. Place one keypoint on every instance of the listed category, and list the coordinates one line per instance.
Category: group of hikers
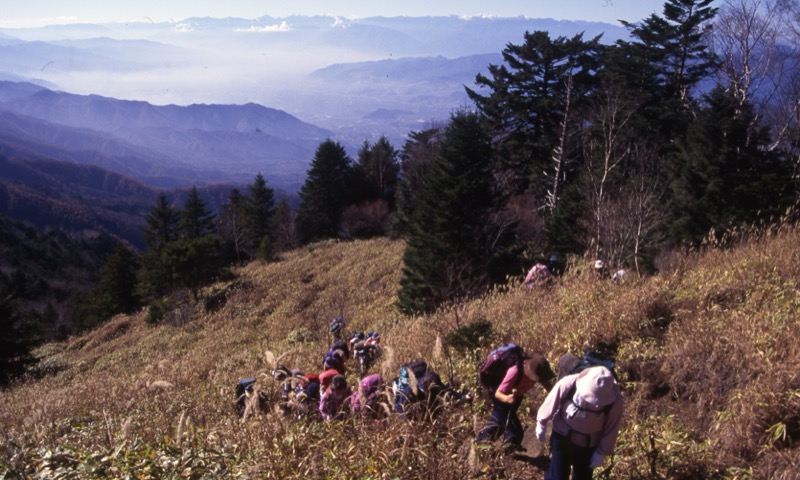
(415, 393)
(543, 272)
(583, 401)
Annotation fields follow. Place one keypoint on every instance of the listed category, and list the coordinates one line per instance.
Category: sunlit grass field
(707, 355)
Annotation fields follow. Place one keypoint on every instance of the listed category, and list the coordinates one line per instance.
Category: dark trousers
(565, 456)
(504, 420)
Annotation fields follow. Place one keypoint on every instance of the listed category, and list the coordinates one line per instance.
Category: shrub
(156, 312)
(474, 335)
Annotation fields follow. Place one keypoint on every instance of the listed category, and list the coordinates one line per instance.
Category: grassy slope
(707, 354)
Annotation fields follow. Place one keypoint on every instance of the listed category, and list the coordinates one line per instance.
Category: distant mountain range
(162, 146)
(355, 79)
(212, 102)
(82, 200)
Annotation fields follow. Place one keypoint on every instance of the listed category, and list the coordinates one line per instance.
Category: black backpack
(593, 358)
(242, 387)
(417, 369)
(497, 363)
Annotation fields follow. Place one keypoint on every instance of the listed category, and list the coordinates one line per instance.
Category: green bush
(472, 336)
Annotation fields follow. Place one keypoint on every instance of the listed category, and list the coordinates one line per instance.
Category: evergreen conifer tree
(162, 221)
(112, 293)
(15, 347)
(155, 277)
(726, 176)
(196, 219)
(379, 167)
(325, 192)
(532, 103)
(195, 256)
(418, 154)
(260, 210)
(662, 66)
(447, 256)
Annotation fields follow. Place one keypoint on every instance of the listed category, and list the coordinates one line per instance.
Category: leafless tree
(758, 45)
(605, 150)
(641, 208)
(788, 115)
(559, 154)
(746, 41)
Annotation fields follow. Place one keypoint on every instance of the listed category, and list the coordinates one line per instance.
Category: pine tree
(260, 210)
(379, 167)
(447, 256)
(726, 176)
(325, 192)
(155, 277)
(283, 227)
(418, 154)
(532, 103)
(15, 347)
(196, 219)
(162, 221)
(663, 65)
(112, 293)
(195, 256)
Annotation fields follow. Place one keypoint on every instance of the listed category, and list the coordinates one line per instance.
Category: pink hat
(597, 386)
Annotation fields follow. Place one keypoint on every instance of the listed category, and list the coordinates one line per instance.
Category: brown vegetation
(706, 351)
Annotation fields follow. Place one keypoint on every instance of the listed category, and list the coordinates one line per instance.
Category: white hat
(597, 386)
(599, 264)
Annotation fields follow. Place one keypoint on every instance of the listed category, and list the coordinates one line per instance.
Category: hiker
(586, 409)
(620, 276)
(539, 274)
(600, 269)
(420, 393)
(507, 397)
(370, 398)
(334, 403)
(340, 347)
(366, 349)
(337, 327)
(250, 399)
(555, 265)
(333, 363)
(298, 391)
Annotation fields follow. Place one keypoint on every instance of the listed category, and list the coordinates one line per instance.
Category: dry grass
(707, 354)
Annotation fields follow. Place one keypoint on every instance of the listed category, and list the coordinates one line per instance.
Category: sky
(34, 13)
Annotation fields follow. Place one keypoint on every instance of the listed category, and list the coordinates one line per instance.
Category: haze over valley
(207, 100)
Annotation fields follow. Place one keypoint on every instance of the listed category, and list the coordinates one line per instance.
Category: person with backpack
(586, 409)
(539, 274)
(366, 400)
(508, 374)
(333, 363)
(419, 392)
(366, 349)
(337, 327)
(334, 403)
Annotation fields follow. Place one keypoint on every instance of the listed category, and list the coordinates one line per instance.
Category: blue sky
(31, 13)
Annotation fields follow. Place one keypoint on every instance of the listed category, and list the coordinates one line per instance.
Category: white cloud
(340, 22)
(184, 27)
(282, 27)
